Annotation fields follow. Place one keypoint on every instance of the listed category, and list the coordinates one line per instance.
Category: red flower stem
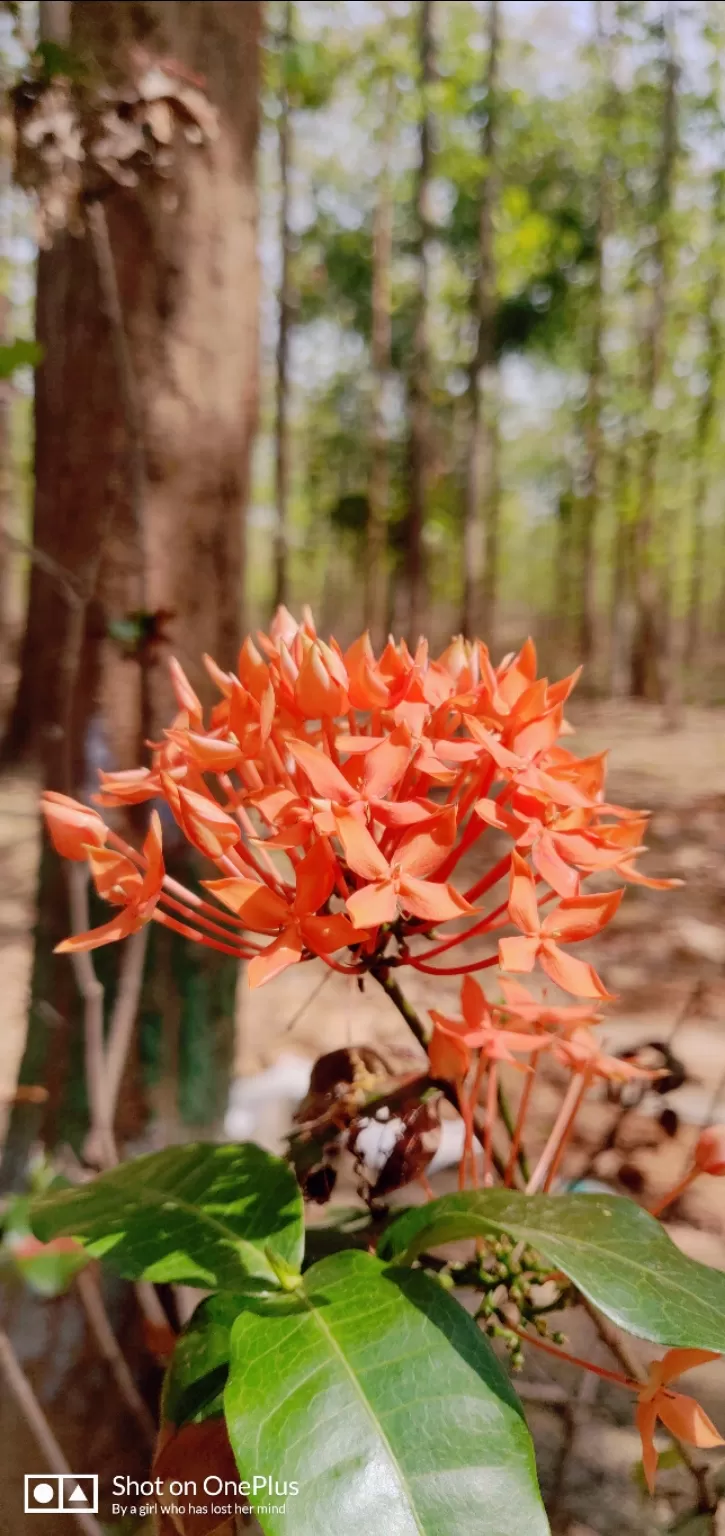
(205, 922)
(471, 833)
(584, 1365)
(679, 1189)
(191, 933)
(453, 970)
(344, 970)
(468, 1154)
(520, 1122)
(559, 1153)
(560, 1128)
(491, 1109)
(460, 938)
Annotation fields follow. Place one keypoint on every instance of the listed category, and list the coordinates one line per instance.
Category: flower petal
(315, 879)
(646, 1419)
(329, 932)
(119, 927)
(431, 900)
(522, 904)
(687, 1420)
(581, 917)
(260, 909)
(361, 850)
(373, 904)
(518, 954)
(575, 976)
(325, 778)
(420, 852)
(286, 950)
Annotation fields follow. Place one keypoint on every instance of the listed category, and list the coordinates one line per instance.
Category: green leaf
(201, 1214)
(374, 1391)
(620, 1258)
(19, 353)
(198, 1370)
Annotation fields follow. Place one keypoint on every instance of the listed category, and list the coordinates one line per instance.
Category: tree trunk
(621, 616)
(646, 681)
(708, 401)
(186, 271)
(483, 444)
(281, 445)
(379, 495)
(594, 437)
(419, 380)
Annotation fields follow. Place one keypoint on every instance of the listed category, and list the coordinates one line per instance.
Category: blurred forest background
(411, 310)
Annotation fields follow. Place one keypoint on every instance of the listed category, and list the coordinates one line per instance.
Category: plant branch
(93, 1306)
(32, 1412)
(400, 1001)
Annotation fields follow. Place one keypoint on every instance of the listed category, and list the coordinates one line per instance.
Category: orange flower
(118, 880)
(308, 746)
(453, 1040)
(402, 881)
(580, 917)
(684, 1418)
(300, 921)
(72, 826)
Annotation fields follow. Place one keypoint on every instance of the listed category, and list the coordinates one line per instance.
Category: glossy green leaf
(620, 1258)
(375, 1391)
(197, 1373)
(202, 1214)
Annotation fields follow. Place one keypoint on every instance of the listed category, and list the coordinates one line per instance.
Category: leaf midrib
(340, 1355)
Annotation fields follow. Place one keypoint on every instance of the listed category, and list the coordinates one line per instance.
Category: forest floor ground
(664, 956)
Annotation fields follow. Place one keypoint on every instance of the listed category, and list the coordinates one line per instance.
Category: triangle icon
(77, 1496)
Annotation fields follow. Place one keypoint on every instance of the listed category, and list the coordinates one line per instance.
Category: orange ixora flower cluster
(336, 793)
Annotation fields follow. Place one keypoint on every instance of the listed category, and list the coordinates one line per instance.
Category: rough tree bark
(419, 380)
(286, 300)
(187, 277)
(645, 680)
(483, 447)
(379, 491)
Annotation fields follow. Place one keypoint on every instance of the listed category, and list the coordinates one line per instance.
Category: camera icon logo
(65, 1494)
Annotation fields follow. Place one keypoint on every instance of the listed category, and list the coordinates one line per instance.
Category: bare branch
(93, 1306)
(35, 1419)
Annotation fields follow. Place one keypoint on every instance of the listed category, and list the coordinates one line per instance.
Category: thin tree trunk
(419, 381)
(594, 436)
(621, 608)
(379, 496)
(483, 444)
(708, 401)
(187, 288)
(646, 681)
(281, 447)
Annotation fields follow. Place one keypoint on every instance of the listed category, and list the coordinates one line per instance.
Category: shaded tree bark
(483, 446)
(645, 680)
(187, 280)
(419, 379)
(281, 444)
